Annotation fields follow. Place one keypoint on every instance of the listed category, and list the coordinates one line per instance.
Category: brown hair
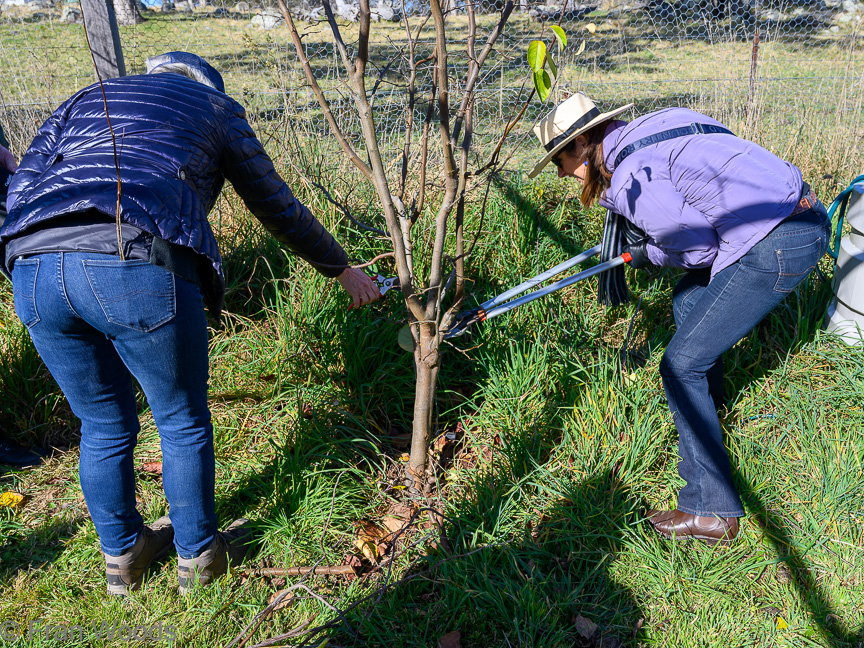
(597, 176)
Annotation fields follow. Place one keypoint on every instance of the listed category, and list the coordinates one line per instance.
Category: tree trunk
(127, 12)
(426, 361)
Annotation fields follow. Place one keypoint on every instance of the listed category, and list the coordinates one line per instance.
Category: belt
(809, 201)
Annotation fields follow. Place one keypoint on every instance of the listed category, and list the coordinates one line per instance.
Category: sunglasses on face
(557, 162)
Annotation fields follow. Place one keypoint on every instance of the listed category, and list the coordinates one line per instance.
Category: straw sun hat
(565, 122)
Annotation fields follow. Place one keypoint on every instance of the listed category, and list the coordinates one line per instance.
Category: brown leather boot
(683, 525)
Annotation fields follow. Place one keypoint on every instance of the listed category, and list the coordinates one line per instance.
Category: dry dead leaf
(369, 539)
(151, 468)
(397, 517)
(451, 640)
(353, 561)
(585, 627)
(284, 603)
(591, 27)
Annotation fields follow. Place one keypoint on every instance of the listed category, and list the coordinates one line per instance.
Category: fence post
(104, 37)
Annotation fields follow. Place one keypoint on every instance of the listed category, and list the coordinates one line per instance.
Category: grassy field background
(553, 438)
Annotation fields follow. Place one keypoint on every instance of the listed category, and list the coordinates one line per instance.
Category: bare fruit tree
(433, 298)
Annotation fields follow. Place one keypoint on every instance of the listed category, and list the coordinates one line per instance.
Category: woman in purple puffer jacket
(744, 225)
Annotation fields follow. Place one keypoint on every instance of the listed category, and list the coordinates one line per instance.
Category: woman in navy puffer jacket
(738, 219)
(103, 305)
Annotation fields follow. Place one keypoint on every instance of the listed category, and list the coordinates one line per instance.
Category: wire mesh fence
(731, 57)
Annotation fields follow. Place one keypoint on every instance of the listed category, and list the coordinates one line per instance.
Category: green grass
(809, 75)
(560, 450)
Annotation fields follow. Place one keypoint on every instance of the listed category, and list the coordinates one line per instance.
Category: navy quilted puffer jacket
(178, 141)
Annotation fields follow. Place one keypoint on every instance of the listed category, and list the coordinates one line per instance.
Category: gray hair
(188, 65)
(185, 70)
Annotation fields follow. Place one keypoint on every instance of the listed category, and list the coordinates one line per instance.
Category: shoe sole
(119, 587)
(706, 539)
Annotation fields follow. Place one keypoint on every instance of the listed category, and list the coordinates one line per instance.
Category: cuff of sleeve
(656, 255)
(334, 265)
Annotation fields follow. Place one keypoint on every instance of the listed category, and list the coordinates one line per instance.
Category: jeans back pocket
(134, 294)
(796, 263)
(24, 273)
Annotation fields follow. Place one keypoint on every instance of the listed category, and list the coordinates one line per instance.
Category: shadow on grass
(34, 410)
(535, 577)
(775, 527)
(37, 548)
(790, 325)
(547, 585)
(535, 221)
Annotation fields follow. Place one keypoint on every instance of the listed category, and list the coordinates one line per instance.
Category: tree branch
(409, 113)
(379, 175)
(450, 181)
(363, 41)
(476, 65)
(319, 94)
(344, 209)
(468, 103)
(337, 35)
(417, 209)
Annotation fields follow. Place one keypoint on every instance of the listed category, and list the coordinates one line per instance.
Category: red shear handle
(626, 257)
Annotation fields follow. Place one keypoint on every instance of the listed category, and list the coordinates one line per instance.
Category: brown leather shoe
(683, 525)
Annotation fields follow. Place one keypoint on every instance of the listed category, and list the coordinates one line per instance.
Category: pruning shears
(384, 284)
(499, 305)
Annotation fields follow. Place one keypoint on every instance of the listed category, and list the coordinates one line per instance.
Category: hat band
(579, 123)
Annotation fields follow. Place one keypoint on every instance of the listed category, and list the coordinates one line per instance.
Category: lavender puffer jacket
(704, 199)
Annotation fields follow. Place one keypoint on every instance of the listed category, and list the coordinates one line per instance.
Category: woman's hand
(8, 160)
(359, 285)
(639, 254)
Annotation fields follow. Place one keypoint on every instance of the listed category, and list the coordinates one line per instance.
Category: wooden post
(101, 25)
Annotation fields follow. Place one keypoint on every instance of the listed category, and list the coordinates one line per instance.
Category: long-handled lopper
(498, 305)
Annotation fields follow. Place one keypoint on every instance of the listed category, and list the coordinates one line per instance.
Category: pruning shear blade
(386, 283)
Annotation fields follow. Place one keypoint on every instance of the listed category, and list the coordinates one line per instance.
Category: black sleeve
(250, 170)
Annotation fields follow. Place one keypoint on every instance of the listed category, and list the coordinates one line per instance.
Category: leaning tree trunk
(127, 13)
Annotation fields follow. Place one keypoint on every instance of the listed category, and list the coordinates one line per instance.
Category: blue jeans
(710, 317)
(98, 321)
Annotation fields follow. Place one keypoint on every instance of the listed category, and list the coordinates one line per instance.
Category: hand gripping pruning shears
(499, 305)
(384, 284)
